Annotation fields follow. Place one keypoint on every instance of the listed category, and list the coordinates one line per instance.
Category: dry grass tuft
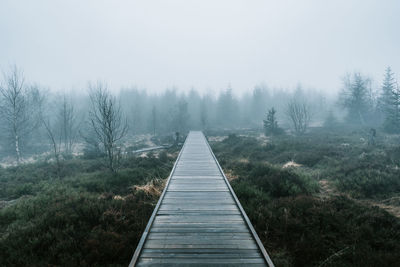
(230, 176)
(291, 164)
(153, 188)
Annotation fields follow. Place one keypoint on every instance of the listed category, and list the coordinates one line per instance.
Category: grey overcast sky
(207, 44)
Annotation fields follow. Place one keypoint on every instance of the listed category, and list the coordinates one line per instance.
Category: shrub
(368, 175)
(277, 182)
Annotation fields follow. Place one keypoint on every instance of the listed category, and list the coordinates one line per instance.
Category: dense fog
(160, 44)
(176, 133)
(36, 119)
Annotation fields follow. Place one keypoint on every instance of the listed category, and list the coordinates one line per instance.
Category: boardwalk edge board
(198, 231)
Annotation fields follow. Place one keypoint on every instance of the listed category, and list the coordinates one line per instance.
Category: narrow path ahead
(198, 220)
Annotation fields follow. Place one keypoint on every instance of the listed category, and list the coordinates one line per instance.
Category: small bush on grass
(275, 181)
(370, 174)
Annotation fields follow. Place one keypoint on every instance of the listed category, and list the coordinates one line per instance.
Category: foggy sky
(206, 44)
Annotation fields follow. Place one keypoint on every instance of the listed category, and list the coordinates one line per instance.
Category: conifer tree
(389, 103)
(355, 98)
(271, 124)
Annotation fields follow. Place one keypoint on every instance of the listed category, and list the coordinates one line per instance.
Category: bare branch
(300, 116)
(107, 123)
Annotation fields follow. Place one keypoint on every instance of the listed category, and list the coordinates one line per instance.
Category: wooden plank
(196, 208)
(198, 194)
(199, 201)
(204, 250)
(198, 187)
(199, 264)
(151, 244)
(203, 255)
(249, 243)
(208, 212)
(227, 229)
(199, 217)
(203, 261)
(198, 235)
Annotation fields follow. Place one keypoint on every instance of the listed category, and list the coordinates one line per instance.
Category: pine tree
(271, 124)
(389, 103)
(357, 97)
(395, 115)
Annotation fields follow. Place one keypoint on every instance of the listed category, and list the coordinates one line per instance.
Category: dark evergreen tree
(271, 124)
(389, 103)
(356, 99)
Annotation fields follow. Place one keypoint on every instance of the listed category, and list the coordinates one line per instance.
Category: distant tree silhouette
(330, 121)
(389, 102)
(258, 99)
(271, 124)
(203, 115)
(154, 119)
(18, 109)
(300, 116)
(227, 109)
(107, 122)
(67, 120)
(356, 99)
(181, 116)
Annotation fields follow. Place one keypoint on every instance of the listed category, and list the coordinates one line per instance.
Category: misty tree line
(172, 111)
(364, 105)
(368, 106)
(32, 116)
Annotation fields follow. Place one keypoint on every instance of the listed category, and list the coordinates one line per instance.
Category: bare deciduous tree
(107, 122)
(14, 108)
(300, 116)
(154, 119)
(55, 141)
(67, 120)
(43, 115)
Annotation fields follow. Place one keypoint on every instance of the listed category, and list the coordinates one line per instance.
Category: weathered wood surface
(198, 220)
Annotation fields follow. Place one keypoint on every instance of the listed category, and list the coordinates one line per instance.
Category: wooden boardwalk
(198, 220)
